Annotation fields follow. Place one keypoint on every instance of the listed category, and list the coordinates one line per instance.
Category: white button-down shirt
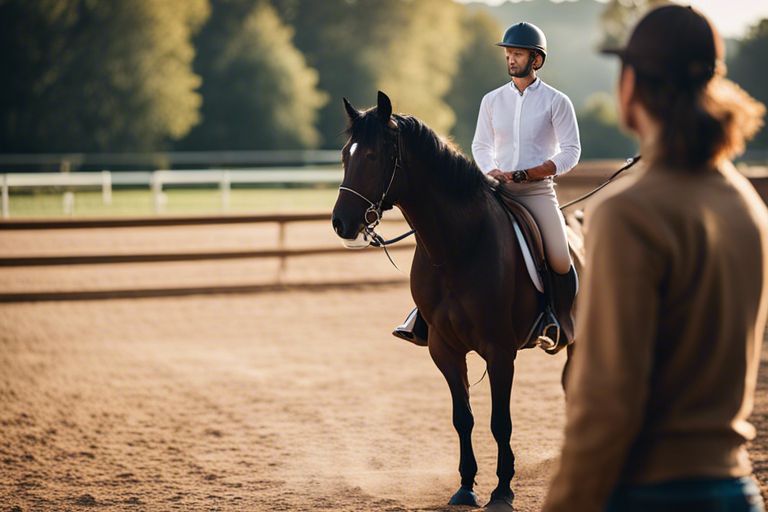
(519, 131)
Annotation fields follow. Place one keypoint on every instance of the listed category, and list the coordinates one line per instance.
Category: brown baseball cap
(673, 42)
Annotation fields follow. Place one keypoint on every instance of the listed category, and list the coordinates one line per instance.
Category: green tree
(258, 92)
(481, 69)
(335, 36)
(620, 16)
(422, 44)
(409, 49)
(747, 68)
(106, 75)
(599, 130)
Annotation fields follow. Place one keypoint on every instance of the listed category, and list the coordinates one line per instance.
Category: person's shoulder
(630, 197)
(555, 93)
(746, 191)
(493, 94)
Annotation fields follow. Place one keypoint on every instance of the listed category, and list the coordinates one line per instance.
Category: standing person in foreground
(675, 294)
(526, 135)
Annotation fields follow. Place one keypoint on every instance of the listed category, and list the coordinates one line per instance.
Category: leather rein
(373, 214)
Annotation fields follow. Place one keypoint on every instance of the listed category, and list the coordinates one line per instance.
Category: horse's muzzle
(352, 236)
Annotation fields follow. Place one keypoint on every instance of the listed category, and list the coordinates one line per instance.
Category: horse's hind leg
(501, 370)
(454, 368)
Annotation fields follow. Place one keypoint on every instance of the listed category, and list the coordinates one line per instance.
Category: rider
(527, 134)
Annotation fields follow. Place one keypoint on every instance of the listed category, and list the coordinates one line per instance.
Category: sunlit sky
(732, 17)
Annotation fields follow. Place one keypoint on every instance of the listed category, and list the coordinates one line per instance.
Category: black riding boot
(560, 292)
(414, 329)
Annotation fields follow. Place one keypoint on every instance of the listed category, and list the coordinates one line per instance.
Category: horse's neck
(447, 227)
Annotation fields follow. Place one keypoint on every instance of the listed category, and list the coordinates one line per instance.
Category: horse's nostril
(337, 225)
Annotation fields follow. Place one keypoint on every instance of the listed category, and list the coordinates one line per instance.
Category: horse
(468, 278)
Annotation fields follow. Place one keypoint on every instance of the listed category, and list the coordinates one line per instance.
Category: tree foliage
(600, 134)
(407, 48)
(258, 92)
(747, 68)
(89, 75)
(620, 16)
(481, 69)
(422, 43)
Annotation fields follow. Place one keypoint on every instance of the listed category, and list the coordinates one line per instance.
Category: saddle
(532, 246)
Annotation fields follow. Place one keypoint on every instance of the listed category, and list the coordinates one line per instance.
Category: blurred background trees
(747, 68)
(97, 75)
(110, 75)
(258, 92)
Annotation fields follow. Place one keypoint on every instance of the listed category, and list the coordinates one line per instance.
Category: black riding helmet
(526, 35)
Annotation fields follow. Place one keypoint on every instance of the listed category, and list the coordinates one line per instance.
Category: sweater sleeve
(609, 377)
(567, 133)
(483, 149)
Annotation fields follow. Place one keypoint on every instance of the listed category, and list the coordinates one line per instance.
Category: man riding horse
(527, 134)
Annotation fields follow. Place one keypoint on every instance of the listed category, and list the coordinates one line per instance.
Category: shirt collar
(534, 85)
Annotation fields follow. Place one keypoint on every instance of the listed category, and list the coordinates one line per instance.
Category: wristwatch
(520, 176)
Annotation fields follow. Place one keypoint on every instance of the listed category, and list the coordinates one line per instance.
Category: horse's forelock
(368, 128)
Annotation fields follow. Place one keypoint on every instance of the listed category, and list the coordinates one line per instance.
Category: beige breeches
(540, 199)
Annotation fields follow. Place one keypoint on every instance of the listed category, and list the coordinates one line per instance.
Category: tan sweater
(671, 317)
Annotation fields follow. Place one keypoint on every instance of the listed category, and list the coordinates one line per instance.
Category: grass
(177, 202)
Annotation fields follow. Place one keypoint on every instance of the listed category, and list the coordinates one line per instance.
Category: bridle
(372, 215)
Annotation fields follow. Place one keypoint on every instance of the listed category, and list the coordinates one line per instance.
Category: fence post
(157, 191)
(68, 198)
(6, 199)
(106, 188)
(281, 247)
(224, 186)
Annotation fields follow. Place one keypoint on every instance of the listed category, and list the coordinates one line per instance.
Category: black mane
(459, 175)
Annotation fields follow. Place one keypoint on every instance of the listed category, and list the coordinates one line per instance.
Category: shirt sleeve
(483, 149)
(609, 377)
(567, 133)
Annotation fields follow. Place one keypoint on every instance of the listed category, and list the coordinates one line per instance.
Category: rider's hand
(500, 175)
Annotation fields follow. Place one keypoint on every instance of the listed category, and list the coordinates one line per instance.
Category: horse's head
(370, 159)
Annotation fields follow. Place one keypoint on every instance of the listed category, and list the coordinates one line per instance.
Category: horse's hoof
(500, 502)
(464, 496)
(499, 505)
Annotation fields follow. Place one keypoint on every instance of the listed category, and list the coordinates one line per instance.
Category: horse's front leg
(501, 370)
(453, 366)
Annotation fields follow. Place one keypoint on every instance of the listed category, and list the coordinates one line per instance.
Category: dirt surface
(299, 401)
(281, 401)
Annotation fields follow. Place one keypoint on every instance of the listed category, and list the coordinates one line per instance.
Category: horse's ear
(384, 107)
(352, 112)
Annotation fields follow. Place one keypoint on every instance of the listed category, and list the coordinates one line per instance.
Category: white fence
(157, 180)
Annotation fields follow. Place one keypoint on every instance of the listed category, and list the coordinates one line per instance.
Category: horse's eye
(370, 156)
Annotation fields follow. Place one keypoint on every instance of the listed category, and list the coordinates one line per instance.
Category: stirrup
(405, 331)
(551, 335)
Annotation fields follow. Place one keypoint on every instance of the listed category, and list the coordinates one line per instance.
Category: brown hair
(702, 119)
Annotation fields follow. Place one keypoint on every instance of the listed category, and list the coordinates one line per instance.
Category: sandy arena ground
(280, 401)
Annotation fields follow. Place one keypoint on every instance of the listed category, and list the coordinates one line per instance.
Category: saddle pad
(528, 236)
(528, 257)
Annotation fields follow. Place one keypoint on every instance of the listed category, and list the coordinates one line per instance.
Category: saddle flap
(528, 226)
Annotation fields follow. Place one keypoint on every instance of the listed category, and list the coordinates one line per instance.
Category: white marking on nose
(352, 149)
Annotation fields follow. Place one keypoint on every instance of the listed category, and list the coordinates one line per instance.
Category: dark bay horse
(467, 278)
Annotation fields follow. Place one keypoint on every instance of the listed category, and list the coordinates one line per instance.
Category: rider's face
(519, 61)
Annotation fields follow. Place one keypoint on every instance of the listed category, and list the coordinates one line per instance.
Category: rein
(630, 162)
(373, 214)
